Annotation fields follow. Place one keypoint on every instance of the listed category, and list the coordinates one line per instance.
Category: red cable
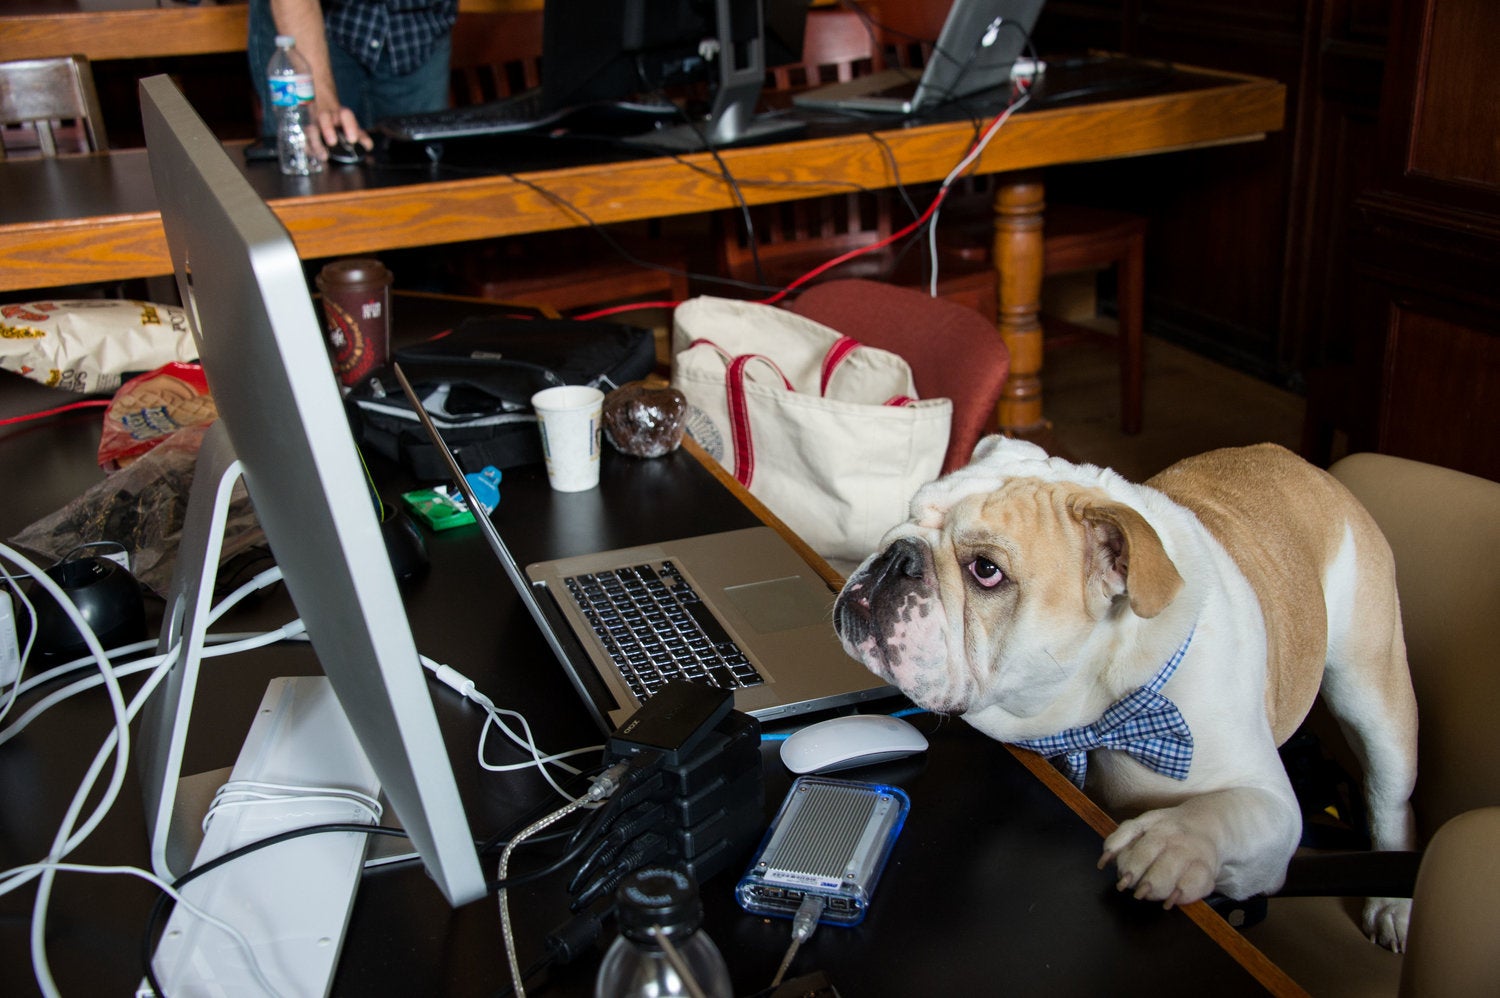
(906, 230)
(85, 404)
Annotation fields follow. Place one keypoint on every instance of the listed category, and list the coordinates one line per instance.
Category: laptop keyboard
(655, 628)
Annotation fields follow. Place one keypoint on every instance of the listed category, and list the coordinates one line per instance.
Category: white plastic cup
(570, 418)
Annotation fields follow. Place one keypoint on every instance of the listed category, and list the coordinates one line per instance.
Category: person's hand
(333, 119)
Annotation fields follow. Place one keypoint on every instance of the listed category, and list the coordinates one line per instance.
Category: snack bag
(150, 407)
(90, 345)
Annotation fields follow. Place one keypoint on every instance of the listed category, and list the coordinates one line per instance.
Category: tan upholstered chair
(49, 106)
(1444, 528)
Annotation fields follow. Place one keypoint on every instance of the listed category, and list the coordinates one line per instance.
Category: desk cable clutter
(683, 787)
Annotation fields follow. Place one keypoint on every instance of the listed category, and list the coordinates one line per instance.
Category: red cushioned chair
(954, 351)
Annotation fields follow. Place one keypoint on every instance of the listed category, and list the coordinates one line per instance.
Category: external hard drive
(831, 839)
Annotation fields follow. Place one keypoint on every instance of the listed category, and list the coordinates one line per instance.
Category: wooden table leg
(1017, 254)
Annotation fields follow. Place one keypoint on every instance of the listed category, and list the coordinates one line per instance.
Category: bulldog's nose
(903, 557)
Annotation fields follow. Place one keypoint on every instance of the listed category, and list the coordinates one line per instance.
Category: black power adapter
(671, 723)
(698, 800)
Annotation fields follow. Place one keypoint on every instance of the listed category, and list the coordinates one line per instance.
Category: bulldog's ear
(1128, 556)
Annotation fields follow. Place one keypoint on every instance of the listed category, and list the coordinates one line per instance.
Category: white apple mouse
(849, 741)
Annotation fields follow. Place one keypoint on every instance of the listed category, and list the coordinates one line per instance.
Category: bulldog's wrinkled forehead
(996, 460)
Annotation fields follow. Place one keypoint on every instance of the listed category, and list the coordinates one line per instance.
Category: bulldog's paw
(1386, 920)
(1161, 858)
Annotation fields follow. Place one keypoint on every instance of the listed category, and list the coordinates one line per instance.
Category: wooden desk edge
(151, 32)
(1272, 977)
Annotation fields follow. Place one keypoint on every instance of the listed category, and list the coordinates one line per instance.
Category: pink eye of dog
(986, 572)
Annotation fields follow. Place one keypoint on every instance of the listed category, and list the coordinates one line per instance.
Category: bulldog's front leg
(1237, 841)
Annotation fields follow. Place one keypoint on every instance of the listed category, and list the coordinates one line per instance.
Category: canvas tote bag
(828, 433)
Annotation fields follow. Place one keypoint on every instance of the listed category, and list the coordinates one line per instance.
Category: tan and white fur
(1028, 593)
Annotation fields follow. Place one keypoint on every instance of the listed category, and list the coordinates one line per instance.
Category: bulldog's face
(1000, 594)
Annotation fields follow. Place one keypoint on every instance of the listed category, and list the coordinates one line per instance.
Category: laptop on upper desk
(975, 54)
(738, 608)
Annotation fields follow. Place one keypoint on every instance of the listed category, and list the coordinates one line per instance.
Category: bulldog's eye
(986, 572)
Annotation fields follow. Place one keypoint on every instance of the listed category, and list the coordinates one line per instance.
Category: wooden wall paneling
(1220, 219)
(1444, 365)
(1334, 160)
(1457, 120)
(1426, 245)
(1073, 26)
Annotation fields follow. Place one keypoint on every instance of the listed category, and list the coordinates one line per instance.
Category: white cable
(116, 743)
(182, 902)
(15, 687)
(255, 793)
(121, 751)
(464, 686)
(227, 646)
(227, 604)
(957, 171)
(538, 761)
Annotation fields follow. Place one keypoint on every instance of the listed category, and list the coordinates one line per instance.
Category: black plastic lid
(658, 896)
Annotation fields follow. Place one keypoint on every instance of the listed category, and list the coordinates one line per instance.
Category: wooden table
(93, 218)
(135, 29)
(992, 887)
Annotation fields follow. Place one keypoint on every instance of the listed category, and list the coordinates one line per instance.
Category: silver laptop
(738, 609)
(975, 51)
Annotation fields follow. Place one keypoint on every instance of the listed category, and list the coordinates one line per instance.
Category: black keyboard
(523, 112)
(656, 628)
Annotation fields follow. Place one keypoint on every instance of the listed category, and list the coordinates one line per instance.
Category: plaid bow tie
(1145, 724)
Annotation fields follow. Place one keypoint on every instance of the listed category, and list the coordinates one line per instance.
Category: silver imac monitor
(262, 349)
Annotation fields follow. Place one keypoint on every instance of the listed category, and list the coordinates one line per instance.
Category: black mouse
(404, 544)
(347, 152)
(107, 595)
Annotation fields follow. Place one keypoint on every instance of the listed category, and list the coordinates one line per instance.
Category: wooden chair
(791, 238)
(837, 46)
(953, 352)
(496, 55)
(48, 106)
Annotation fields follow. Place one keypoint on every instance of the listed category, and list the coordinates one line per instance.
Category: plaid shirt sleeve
(400, 32)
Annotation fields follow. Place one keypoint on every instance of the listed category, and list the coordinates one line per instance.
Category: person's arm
(303, 20)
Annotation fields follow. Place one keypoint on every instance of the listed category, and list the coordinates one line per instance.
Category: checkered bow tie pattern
(1145, 724)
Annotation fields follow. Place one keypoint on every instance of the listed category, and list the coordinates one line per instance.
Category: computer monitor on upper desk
(602, 50)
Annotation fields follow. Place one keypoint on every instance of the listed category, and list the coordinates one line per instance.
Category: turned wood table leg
(1018, 208)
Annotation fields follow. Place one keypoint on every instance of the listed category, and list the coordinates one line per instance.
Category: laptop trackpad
(781, 604)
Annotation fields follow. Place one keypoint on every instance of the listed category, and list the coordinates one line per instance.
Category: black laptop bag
(477, 383)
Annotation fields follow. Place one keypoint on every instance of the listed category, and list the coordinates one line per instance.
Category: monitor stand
(290, 902)
(731, 121)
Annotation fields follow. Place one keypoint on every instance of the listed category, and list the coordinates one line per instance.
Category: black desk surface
(991, 888)
(81, 187)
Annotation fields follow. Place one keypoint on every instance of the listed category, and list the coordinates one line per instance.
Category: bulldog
(1160, 640)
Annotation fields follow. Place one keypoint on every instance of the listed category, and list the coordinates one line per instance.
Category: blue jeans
(370, 94)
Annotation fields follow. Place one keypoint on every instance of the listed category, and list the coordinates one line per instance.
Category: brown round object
(643, 420)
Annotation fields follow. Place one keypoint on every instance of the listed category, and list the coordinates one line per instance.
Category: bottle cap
(658, 896)
(285, 41)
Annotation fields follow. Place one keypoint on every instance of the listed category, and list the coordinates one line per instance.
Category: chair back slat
(43, 101)
(495, 55)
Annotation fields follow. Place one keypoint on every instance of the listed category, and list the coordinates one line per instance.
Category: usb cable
(804, 923)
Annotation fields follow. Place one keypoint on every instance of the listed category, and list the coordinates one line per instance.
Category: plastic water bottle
(661, 941)
(291, 86)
